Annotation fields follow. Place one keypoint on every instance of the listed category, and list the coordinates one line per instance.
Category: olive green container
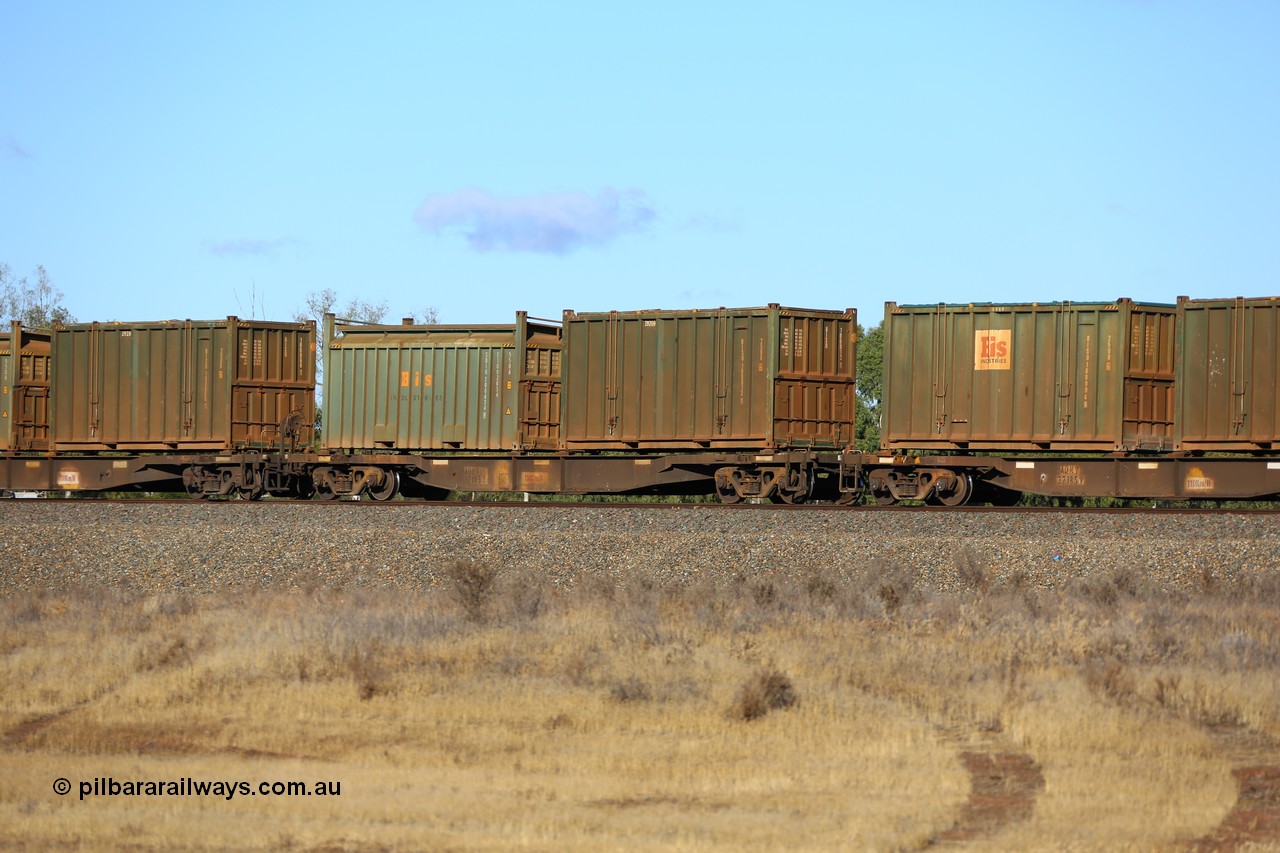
(441, 387)
(1228, 368)
(751, 379)
(183, 385)
(1038, 376)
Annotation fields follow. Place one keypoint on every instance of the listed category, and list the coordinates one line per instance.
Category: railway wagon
(182, 386)
(1228, 396)
(1033, 377)
(409, 388)
(24, 389)
(753, 379)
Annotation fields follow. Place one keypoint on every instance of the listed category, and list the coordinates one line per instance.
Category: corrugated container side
(744, 378)
(24, 377)
(182, 385)
(441, 387)
(1229, 361)
(1033, 377)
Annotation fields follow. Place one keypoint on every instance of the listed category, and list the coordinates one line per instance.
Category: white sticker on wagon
(1024, 465)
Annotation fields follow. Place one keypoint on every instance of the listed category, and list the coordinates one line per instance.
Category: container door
(539, 397)
(814, 388)
(1149, 394)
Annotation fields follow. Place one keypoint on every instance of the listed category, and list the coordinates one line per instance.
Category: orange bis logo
(991, 349)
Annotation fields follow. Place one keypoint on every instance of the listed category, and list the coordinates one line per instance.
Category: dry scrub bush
(767, 690)
(473, 585)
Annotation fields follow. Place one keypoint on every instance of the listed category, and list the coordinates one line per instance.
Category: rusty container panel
(24, 380)
(441, 387)
(1228, 362)
(183, 385)
(1055, 376)
(740, 378)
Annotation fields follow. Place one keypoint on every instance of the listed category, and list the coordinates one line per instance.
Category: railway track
(1153, 509)
(198, 546)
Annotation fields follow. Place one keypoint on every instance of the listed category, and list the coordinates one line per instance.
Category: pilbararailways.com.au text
(108, 786)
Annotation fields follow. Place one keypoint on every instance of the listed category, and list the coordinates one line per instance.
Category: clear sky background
(169, 160)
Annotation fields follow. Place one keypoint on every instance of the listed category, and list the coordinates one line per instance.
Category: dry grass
(763, 712)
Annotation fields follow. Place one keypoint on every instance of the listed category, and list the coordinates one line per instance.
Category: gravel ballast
(189, 547)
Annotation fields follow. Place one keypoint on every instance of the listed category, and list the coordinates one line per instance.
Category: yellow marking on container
(439, 461)
(33, 464)
(1024, 465)
(644, 461)
(120, 463)
(426, 380)
(404, 379)
(542, 462)
(1148, 466)
(222, 459)
(764, 458)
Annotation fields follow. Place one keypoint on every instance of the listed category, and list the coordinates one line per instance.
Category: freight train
(979, 403)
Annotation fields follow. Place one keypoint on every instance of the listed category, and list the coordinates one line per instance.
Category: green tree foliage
(35, 303)
(870, 382)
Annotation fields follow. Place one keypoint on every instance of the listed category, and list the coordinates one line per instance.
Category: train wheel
(322, 489)
(724, 483)
(795, 490)
(389, 488)
(191, 482)
(959, 493)
(885, 498)
(727, 494)
(250, 488)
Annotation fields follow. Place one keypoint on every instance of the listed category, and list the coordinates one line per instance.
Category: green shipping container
(183, 385)
(1228, 369)
(1053, 376)
(410, 388)
(24, 378)
(726, 378)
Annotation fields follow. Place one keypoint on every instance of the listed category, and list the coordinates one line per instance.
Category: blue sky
(197, 160)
